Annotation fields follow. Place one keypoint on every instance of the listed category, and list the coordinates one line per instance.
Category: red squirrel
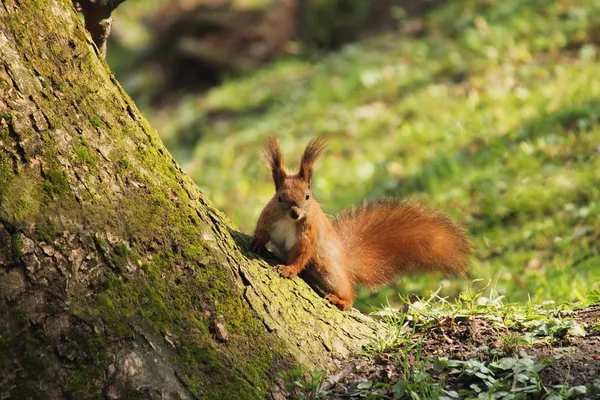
(368, 245)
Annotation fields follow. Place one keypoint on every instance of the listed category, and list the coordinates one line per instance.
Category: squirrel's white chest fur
(284, 236)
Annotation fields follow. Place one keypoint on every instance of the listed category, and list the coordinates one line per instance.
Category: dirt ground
(573, 360)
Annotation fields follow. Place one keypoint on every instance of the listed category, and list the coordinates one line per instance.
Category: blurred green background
(489, 110)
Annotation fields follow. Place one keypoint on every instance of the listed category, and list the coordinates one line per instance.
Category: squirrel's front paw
(286, 271)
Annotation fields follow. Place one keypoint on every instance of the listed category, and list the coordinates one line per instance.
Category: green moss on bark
(55, 183)
(5, 171)
(22, 199)
(84, 156)
(6, 346)
(96, 121)
(178, 304)
(16, 248)
(125, 190)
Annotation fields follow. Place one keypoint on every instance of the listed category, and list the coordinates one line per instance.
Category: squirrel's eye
(307, 196)
(279, 199)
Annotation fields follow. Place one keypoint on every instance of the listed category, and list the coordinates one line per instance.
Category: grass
(492, 114)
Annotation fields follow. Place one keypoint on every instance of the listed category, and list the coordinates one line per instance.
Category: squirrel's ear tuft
(314, 148)
(275, 160)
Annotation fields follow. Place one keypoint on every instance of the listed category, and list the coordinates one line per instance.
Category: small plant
(397, 334)
(511, 342)
(594, 296)
(303, 385)
(506, 378)
(417, 382)
(596, 325)
(551, 328)
(564, 392)
(371, 390)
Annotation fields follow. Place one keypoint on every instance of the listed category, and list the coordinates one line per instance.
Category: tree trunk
(117, 276)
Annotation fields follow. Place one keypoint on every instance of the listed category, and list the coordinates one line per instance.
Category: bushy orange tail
(388, 238)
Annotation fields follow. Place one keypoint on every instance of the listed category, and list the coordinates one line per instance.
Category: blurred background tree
(486, 109)
(195, 43)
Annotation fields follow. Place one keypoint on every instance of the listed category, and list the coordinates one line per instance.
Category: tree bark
(117, 276)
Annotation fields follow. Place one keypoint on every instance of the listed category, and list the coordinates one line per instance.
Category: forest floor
(475, 347)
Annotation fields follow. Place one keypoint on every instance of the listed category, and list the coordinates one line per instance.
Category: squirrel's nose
(294, 214)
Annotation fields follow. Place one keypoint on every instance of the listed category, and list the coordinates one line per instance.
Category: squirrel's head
(293, 192)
